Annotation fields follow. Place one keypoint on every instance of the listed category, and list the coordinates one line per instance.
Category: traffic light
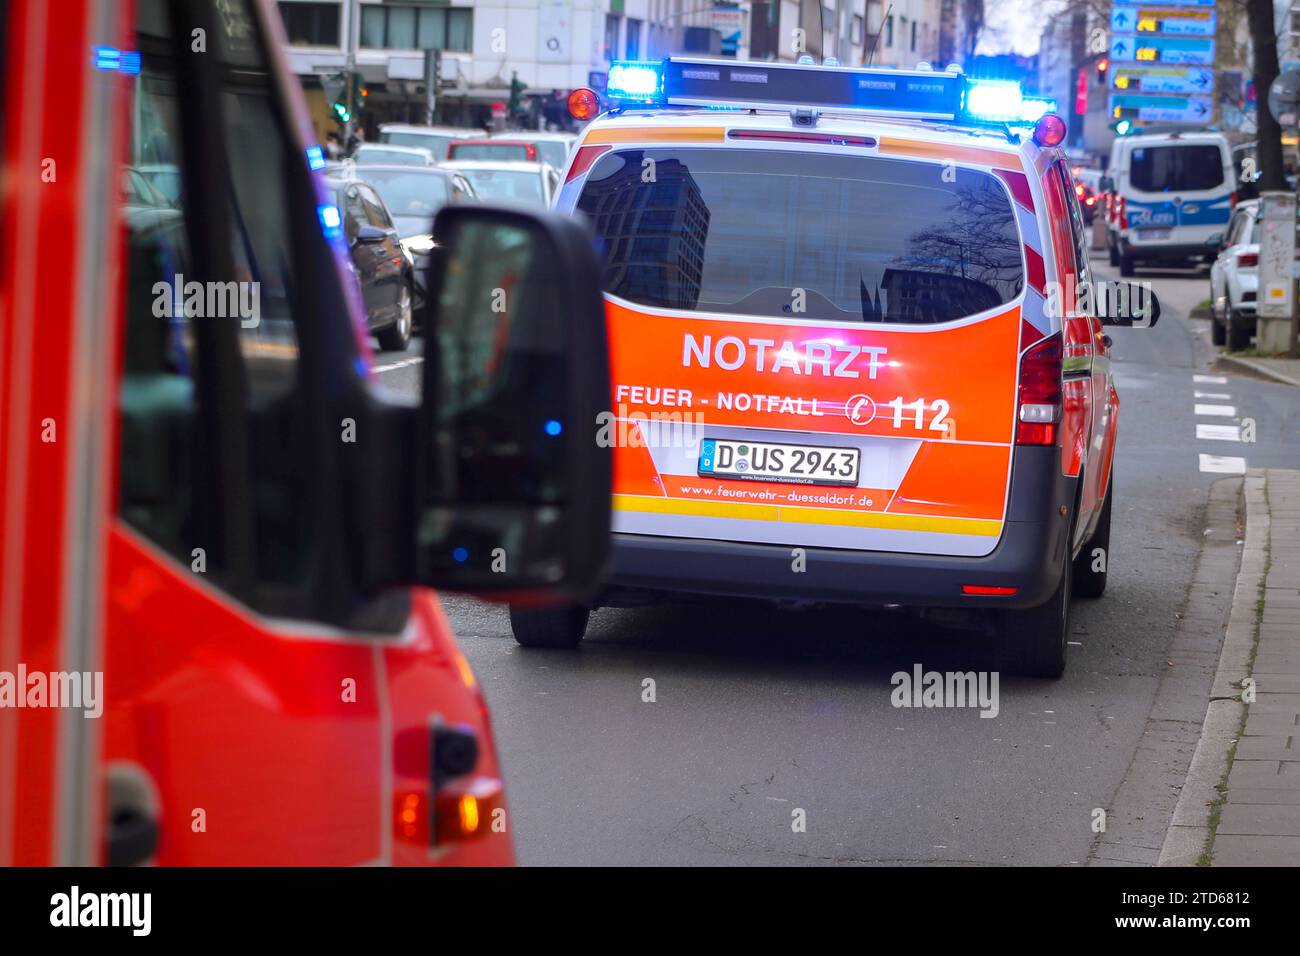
(1122, 127)
(516, 105)
(341, 112)
(1102, 66)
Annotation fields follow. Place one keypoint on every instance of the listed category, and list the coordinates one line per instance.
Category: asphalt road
(761, 712)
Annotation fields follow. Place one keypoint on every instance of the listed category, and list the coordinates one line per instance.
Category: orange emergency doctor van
(849, 354)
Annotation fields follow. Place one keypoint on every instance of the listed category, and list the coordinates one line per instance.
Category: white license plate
(773, 461)
(1153, 233)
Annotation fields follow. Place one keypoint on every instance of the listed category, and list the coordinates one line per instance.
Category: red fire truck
(217, 531)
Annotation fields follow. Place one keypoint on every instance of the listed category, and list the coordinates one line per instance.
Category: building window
(889, 31)
(611, 37)
(913, 36)
(416, 28)
(311, 24)
(633, 48)
(855, 34)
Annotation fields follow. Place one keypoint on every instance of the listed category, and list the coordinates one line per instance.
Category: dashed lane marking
(1220, 411)
(402, 364)
(1223, 464)
(1218, 432)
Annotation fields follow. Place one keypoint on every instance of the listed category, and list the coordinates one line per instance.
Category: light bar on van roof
(728, 84)
(683, 81)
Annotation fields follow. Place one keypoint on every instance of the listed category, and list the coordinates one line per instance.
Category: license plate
(773, 461)
(1153, 233)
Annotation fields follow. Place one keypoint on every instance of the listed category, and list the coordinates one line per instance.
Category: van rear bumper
(1165, 251)
(1029, 557)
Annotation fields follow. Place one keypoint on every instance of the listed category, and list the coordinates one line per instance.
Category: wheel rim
(404, 316)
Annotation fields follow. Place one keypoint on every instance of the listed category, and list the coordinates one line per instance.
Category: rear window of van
(1159, 169)
(803, 235)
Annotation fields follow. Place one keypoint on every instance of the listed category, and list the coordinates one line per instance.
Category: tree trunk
(1263, 41)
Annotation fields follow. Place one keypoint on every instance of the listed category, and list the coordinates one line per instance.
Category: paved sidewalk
(1259, 819)
(1284, 370)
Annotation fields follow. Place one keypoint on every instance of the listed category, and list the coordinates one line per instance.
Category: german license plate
(773, 461)
(1153, 233)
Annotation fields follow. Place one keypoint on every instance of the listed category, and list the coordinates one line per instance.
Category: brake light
(986, 590)
(1123, 213)
(1247, 260)
(531, 152)
(795, 136)
(1039, 399)
(1078, 190)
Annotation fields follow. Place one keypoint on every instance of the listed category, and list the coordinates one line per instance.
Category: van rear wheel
(1033, 640)
(561, 626)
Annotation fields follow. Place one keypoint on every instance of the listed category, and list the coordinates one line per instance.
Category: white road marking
(1210, 379)
(1218, 432)
(1220, 411)
(1223, 465)
(402, 364)
(1222, 396)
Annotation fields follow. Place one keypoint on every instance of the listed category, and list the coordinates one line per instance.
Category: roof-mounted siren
(952, 68)
(925, 66)
(831, 61)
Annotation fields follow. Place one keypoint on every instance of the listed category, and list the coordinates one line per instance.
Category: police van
(1170, 198)
(840, 369)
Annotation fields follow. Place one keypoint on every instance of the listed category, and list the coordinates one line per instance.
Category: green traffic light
(1123, 127)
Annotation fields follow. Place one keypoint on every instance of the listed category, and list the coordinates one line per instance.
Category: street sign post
(1126, 47)
(1162, 61)
(1200, 22)
(1162, 79)
(1161, 109)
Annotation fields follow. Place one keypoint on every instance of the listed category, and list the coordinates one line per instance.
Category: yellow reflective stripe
(655, 134)
(947, 151)
(859, 519)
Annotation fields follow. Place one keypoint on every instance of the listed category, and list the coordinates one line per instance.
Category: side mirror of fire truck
(514, 486)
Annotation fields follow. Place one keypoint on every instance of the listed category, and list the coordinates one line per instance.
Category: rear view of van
(1172, 194)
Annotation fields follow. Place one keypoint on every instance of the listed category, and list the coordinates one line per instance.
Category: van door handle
(132, 838)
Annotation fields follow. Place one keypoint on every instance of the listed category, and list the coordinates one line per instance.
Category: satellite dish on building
(1284, 97)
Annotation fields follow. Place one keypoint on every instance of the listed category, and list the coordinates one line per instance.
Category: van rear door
(813, 347)
(1181, 191)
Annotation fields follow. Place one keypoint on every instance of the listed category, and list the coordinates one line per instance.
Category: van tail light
(1123, 213)
(1039, 400)
(1232, 200)
(1247, 260)
(457, 804)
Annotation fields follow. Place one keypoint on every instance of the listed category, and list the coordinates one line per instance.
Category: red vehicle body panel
(288, 737)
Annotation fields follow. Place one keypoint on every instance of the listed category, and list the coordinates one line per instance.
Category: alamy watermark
(79, 689)
(209, 300)
(934, 689)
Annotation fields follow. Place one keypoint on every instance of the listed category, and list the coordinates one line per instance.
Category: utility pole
(352, 11)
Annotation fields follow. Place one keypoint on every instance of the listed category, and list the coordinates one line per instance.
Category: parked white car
(1234, 279)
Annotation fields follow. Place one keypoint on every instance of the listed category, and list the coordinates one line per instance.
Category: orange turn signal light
(468, 811)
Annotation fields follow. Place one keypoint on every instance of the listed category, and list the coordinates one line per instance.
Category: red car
(217, 534)
(494, 149)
